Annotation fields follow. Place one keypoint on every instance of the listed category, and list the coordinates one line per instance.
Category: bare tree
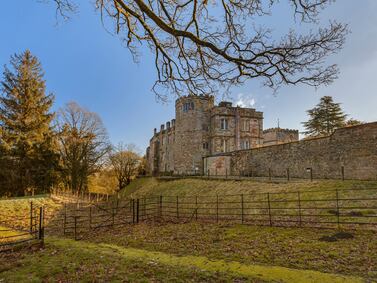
(83, 145)
(124, 160)
(202, 46)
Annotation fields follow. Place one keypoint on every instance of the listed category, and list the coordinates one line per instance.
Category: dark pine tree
(325, 118)
(25, 121)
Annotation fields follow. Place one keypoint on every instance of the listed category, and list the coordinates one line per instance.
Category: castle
(202, 129)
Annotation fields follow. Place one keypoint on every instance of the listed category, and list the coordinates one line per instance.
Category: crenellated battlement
(201, 128)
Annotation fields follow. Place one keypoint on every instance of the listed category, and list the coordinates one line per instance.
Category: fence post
(269, 174)
(342, 173)
(41, 226)
(299, 208)
(137, 211)
(31, 217)
(337, 208)
(177, 208)
(242, 215)
(217, 208)
(269, 208)
(288, 177)
(196, 208)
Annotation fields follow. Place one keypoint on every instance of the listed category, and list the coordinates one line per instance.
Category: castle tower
(192, 135)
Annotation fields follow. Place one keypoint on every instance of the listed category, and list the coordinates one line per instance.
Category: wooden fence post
(299, 208)
(288, 177)
(242, 213)
(269, 208)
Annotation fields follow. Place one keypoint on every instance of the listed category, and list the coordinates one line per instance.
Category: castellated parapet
(200, 129)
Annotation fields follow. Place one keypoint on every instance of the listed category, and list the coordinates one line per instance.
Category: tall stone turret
(192, 134)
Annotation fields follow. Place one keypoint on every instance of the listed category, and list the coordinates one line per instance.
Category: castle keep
(201, 128)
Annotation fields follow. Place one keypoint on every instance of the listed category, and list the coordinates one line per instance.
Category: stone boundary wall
(353, 148)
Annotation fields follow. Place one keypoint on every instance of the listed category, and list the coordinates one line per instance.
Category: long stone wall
(352, 150)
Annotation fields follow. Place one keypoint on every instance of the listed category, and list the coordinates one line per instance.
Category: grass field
(197, 252)
(189, 187)
(68, 261)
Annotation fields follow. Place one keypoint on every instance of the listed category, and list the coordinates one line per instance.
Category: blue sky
(86, 64)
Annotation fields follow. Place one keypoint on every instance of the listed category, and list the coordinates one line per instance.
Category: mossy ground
(65, 260)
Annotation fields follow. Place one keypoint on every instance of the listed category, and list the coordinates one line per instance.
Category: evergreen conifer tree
(325, 118)
(25, 121)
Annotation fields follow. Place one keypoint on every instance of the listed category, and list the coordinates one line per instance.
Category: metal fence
(340, 209)
(19, 230)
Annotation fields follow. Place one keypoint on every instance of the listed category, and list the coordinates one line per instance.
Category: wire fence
(82, 197)
(18, 230)
(336, 209)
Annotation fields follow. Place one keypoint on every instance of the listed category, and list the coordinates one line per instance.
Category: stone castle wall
(353, 148)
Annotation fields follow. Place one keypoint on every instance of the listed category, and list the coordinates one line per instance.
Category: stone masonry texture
(352, 150)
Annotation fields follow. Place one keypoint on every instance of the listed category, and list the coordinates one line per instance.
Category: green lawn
(305, 248)
(189, 187)
(70, 261)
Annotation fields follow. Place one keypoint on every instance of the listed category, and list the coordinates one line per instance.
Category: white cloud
(245, 100)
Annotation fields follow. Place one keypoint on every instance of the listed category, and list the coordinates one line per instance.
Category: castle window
(245, 126)
(205, 145)
(245, 144)
(224, 124)
(188, 106)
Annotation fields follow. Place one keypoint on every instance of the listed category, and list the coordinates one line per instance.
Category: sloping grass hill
(188, 187)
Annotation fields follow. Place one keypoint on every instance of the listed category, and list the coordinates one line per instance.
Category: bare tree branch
(203, 46)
